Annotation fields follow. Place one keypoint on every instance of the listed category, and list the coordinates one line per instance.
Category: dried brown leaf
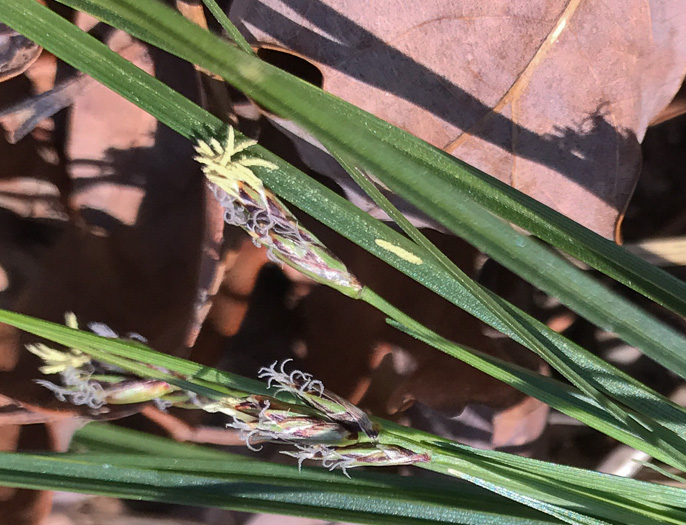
(17, 53)
(552, 97)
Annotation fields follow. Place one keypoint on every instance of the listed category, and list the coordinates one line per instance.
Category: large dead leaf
(552, 97)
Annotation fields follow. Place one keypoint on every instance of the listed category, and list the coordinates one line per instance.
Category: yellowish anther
(70, 320)
(222, 168)
(57, 361)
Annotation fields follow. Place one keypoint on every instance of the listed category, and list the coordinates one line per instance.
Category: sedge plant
(252, 185)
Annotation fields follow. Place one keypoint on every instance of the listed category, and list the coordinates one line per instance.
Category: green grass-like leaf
(435, 182)
(661, 340)
(573, 495)
(187, 118)
(252, 486)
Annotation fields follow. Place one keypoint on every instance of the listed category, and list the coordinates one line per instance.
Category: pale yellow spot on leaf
(400, 252)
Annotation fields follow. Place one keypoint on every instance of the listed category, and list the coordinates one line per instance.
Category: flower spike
(249, 205)
(312, 392)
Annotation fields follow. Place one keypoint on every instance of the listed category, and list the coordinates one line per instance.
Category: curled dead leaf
(17, 53)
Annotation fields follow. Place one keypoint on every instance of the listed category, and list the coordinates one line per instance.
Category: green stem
(548, 494)
(455, 466)
(516, 327)
(529, 339)
(231, 30)
(634, 430)
(493, 303)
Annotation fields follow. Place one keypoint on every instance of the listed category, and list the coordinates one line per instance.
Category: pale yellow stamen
(57, 361)
(222, 169)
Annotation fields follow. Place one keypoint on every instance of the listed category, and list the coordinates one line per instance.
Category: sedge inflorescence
(84, 381)
(249, 205)
(321, 426)
(330, 429)
(75, 370)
